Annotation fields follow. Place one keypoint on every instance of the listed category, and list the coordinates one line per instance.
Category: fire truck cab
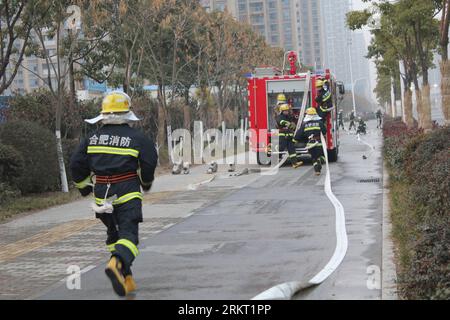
(266, 83)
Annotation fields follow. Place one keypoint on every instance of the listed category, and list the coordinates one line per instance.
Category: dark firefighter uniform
(123, 160)
(310, 131)
(379, 118)
(361, 126)
(286, 127)
(352, 121)
(324, 101)
(341, 120)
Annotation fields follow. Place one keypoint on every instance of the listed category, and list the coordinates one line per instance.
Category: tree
(443, 7)
(406, 32)
(53, 26)
(419, 17)
(16, 22)
(389, 48)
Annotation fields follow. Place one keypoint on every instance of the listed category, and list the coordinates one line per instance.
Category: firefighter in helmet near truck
(286, 126)
(123, 161)
(323, 98)
(310, 131)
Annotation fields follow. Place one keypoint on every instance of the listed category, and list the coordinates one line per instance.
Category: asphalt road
(236, 237)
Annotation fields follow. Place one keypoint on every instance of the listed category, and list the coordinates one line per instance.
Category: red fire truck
(266, 83)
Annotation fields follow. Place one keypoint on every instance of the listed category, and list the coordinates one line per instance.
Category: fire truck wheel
(263, 159)
(333, 155)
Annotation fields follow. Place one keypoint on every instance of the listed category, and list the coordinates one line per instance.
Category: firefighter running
(123, 160)
(310, 131)
(286, 127)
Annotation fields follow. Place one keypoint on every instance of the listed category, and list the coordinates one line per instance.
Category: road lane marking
(287, 290)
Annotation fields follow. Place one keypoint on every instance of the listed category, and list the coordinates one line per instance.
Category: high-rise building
(310, 33)
(221, 5)
(337, 38)
(33, 71)
(361, 72)
(273, 19)
(34, 74)
(342, 47)
(289, 24)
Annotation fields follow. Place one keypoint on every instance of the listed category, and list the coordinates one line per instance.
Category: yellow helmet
(285, 107)
(311, 111)
(281, 98)
(319, 83)
(116, 102)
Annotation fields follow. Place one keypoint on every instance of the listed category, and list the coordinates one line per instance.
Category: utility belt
(106, 205)
(115, 178)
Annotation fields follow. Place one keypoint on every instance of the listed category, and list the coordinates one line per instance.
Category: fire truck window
(295, 98)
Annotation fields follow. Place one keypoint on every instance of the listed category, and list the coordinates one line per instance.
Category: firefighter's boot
(317, 168)
(297, 164)
(130, 284)
(322, 160)
(114, 271)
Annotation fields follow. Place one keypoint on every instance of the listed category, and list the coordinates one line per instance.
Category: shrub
(11, 168)
(40, 107)
(37, 147)
(428, 276)
(7, 193)
(11, 164)
(69, 148)
(420, 199)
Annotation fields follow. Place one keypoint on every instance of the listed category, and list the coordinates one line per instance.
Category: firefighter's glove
(294, 141)
(292, 126)
(147, 186)
(86, 191)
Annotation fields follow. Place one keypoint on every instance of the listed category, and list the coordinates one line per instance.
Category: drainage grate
(370, 180)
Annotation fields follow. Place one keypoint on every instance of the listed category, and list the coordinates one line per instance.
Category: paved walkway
(37, 249)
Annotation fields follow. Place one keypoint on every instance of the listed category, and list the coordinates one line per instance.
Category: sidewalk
(37, 249)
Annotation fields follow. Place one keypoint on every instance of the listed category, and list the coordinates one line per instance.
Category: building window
(34, 83)
(256, 7)
(257, 19)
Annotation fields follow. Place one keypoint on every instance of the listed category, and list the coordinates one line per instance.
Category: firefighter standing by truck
(310, 131)
(323, 98)
(286, 127)
(123, 161)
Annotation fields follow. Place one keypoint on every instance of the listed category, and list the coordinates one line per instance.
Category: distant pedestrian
(341, 119)
(379, 119)
(352, 121)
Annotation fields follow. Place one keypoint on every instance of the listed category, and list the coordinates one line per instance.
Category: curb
(388, 268)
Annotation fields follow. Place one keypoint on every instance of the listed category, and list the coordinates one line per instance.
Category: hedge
(37, 147)
(419, 168)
